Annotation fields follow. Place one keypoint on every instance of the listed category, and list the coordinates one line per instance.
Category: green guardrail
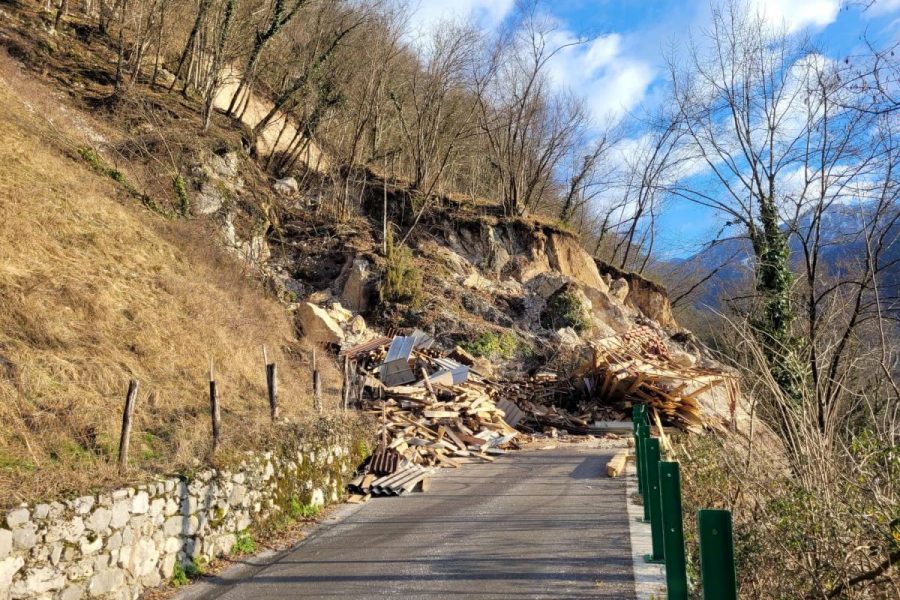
(673, 530)
(643, 439)
(717, 555)
(653, 500)
(659, 485)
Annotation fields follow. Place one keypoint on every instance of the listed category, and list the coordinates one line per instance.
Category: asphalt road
(541, 524)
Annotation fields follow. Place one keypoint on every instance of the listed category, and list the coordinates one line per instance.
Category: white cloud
(795, 15)
(882, 7)
(486, 14)
(602, 72)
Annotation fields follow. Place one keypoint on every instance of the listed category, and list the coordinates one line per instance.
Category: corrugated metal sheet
(512, 413)
(400, 482)
(384, 462)
(421, 339)
(366, 347)
(396, 370)
(448, 376)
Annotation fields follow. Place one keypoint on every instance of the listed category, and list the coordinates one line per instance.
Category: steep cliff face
(647, 296)
(531, 262)
(493, 276)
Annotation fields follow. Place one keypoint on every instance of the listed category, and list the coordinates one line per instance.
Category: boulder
(317, 324)
(339, 313)
(357, 291)
(568, 337)
(208, 200)
(569, 258)
(476, 282)
(287, 186)
(358, 325)
(683, 359)
(618, 289)
(546, 284)
(608, 310)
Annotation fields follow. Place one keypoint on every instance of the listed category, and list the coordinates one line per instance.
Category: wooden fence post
(130, 398)
(317, 383)
(346, 390)
(214, 406)
(271, 384)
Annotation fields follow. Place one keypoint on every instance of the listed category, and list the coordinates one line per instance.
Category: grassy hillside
(96, 289)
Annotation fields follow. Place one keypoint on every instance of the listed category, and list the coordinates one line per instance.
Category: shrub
(493, 345)
(245, 544)
(180, 187)
(566, 309)
(402, 280)
(183, 574)
(797, 537)
(303, 511)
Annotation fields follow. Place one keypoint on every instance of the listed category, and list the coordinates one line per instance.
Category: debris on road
(622, 370)
(616, 465)
(435, 411)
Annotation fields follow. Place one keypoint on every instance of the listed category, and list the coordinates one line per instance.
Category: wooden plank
(616, 465)
(440, 414)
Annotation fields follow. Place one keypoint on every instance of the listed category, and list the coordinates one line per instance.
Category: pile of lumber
(636, 367)
(625, 369)
(442, 424)
(442, 415)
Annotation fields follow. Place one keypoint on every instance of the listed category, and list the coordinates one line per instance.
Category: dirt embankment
(97, 289)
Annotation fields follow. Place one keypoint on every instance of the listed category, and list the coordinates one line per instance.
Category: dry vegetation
(96, 292)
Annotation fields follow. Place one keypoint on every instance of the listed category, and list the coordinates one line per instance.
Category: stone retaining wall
(114, 545)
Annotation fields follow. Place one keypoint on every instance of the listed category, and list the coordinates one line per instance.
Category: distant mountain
(843, 250)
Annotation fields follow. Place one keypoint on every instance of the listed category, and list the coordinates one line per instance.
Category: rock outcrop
(359, 286)
(640, 293)
(317, 325)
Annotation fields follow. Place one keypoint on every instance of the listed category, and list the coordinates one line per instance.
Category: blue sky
(622, 71)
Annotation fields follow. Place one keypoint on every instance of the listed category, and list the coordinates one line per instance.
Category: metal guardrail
(659, 484)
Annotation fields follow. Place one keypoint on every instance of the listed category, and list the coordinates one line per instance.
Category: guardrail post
(638, 458)
(638, 415)
(673, 530)
(644, 437)
(652, 500)
(638, 418)
(717, 555)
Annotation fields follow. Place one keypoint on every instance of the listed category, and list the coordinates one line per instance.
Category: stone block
(140, 504)
(6, 543)
(99, 520)
(8, 569)
(17, 517)
(83, 505)
(120, 514)
(69, 530)
(38, 581)
(90, 545)
(73, 592)
(106, 582)
(41, 511)
(25, 536)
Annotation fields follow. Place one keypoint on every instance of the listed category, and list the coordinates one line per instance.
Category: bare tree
(435, 106)
(737, 99)
(279, 14)
(528, 126)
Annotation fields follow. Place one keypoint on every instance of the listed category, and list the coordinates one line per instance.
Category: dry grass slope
(94, 291)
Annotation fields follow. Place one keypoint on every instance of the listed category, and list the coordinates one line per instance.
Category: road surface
(539, 524)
